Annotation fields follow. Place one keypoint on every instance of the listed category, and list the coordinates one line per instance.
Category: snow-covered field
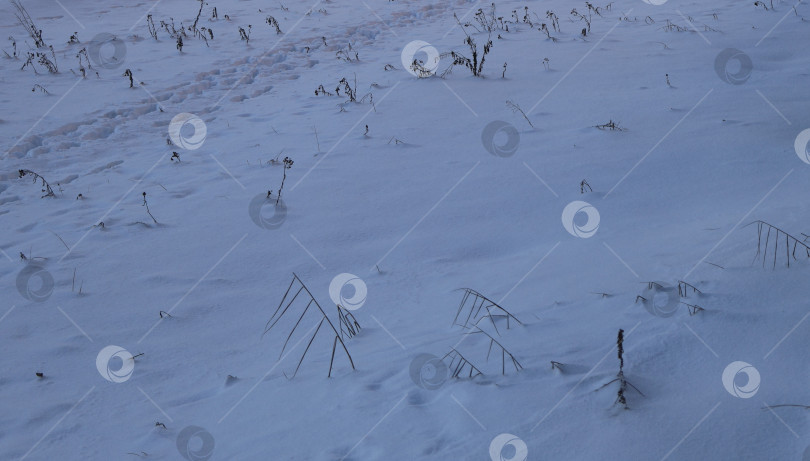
(142, 333)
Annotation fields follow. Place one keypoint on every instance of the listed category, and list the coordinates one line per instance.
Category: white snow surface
(416, 209)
